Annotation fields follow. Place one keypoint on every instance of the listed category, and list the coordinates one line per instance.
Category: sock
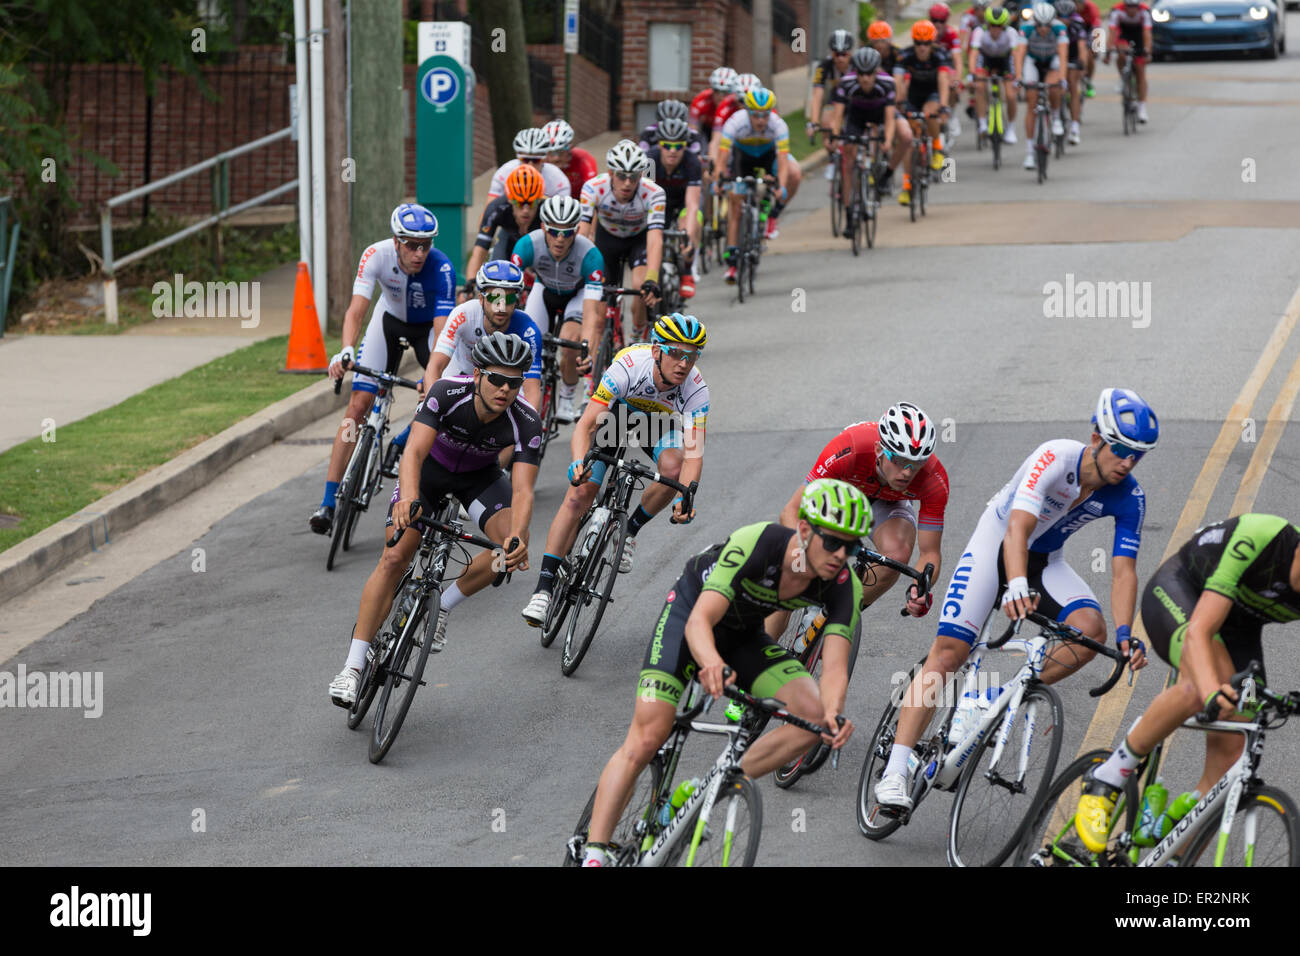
(331, 491)
(400, 439)
(546, 578)
(566, 390)
(777, 208)
(695, 265)
(452, 596)
(898, 755)
(357, 654)
(637, 521)
(1120, 765)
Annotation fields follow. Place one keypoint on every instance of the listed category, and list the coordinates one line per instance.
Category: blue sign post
(444, 149)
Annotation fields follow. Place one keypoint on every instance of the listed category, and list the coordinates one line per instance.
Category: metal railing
(8, 255)
(219, 164)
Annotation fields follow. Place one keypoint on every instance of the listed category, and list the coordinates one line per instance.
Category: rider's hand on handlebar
(917, 607)
(517, 560)
(710, 678)
(336, 368)
(680, 517)
(1135, 649)
(650, 291)
(578, 473)
(841, 736)
(1018, 600)
(402, 514)
(1226, 700)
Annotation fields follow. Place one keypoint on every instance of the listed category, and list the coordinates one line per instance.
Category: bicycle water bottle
(598, 518)
(679, 797)
(1181, 806)
(404, 608)
(1153, 807)
(969, 712)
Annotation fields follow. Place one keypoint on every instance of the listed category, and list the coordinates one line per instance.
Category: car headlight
(1161, 16)
(1259, 13)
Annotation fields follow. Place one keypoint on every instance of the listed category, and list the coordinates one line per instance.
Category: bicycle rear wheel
(730, 838)
(561, 601)
(405, 668)
(635, 823)
(1050, 838)
(366, 489)
(1264, 833)
(592, 590)
(994, 804)
(837, 200)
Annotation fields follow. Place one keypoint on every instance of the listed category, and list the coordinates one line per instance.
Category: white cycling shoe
(1058, 128)
(535, 611)
(1009, 136)
(343, 688)
(1029, 162)
(629, 549)
(892, 791)
(1075, 138)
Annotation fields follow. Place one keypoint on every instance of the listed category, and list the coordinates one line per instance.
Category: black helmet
(841, 41)
(504, 349)
(866, 59)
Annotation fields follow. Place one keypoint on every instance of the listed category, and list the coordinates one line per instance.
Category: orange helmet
(923, 31)
(880, 30)
(525, 185)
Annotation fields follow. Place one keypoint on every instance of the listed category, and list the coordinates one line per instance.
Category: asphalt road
(215, 680)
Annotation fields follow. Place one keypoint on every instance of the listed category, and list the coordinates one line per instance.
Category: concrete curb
(27, 562)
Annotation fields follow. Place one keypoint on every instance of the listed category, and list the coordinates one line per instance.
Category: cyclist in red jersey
(892, 462)
(1092, 19)
(576, 163)
(705, 104)
(948, 38)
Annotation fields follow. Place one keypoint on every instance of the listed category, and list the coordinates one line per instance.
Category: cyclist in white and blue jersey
(418, 284)
(1017, 546)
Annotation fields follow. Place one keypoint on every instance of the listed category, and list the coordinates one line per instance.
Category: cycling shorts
(762, 665)
(544, 305)
(483, 492)
(1033, 69)
(989, 65)
(882, 510)
(381, 349)
(619, 251)
(917, 98)
(746, 165)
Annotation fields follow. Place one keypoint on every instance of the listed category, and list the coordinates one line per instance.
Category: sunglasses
(523, 205)
(681, 145)
(416, 245)
(922, 43)
(561, 233)
(679, 355)
(1121, 451)
(628, 177)
(833, 544)
(504, 381)
(904, 464)
(763, 113)
(501, 297)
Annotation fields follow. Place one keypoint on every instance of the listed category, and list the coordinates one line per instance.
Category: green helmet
(836, 506)
(997, 16)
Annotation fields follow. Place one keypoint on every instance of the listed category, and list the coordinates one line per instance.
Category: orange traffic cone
(306, 347)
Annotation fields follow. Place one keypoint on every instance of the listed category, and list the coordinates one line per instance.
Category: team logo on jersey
(598, 276)
(365, 257)
(1040, 466)
(672, 595)
(843, 575)
(431, 403)
(535, 441)
(416, 292)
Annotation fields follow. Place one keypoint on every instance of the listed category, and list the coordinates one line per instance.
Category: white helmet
(559, 134)
(626, 157)
(907, 431)
(723, 79)
(746, 82)
(531, 143)
(1044, 12)
(563, 212)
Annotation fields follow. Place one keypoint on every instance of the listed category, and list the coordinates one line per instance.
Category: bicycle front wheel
(405, 668)
(730, 838)
(810, 761)
(558, 610)
(1050, 838)
(347, 491)
(996, 801)
(1264, 833)
(837, 200)
(592, 591)
(633, 826)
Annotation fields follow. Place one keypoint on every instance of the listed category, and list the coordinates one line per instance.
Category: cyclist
(1130, 32)
(948, 39)
(418, 283)
(828, 73)
(1077, 41)
(623, 214)
(576, 163)
(729, 106)
(867, 97)
(880, 37)
(923, 74)
(677, 171)
(458, 432)
(512, 215)
(1204, 610)
(531, 148)
(705, 104)
(990, 55)
(674, 110)
(570, 282)
(653, 396)
(1041, 56)
(892, 462)
(1092, 18)
(713, 618)
(762, 142)
(1060, 487)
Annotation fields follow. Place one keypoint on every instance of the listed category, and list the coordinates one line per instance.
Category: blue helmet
(415, 222)
(499, 274)
(1122, 416)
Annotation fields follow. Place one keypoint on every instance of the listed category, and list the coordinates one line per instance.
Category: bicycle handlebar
(451, 532)
(549, 339)
(1074, 636)
(772, 706)
(641, 471)
(1210, 712)
(376, 374)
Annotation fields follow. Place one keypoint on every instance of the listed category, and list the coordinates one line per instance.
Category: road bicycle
(1128, 86)
(1042, 131)
(363, 478)
(673, 268)
(862, 205)
(719, 823)
(1063, 114)
(1000, 764)
(550, 385)
(753, 218)
(584, 581)
(612, 340)
(996, 119)
(1242, 821)
(804, 639)
(395, 661)
(922, 150)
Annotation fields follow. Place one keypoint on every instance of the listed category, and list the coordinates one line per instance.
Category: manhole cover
(9, 521)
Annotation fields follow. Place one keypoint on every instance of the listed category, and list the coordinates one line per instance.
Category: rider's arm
(837, 118)
(585, 430)
(709, 609)
(1015, 545)
(891, 127)
(353, 318)
(1019, 51)
(477, 256)
(928, 544)
(815, 107)
(783, 171)
(654, 250)
(1208, 618)
(692, 215)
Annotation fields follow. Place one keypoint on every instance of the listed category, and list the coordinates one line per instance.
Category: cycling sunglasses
(501, 297)
(504, 381)
(416, 245)
(673, 145)
(628, 177)
(906, 464)
(832, 543)
(561, 233)
(679, 355)
(1120, 450)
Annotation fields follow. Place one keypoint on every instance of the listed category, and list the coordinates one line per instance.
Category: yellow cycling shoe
(936, 161)
(1092, 815)
(905, 197)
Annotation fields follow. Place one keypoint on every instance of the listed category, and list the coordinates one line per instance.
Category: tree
(505, 68)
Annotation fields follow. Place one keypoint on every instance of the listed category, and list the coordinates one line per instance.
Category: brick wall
(589, 95)
(707, 20)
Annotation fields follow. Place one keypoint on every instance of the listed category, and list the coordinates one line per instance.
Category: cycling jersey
(583, 266)
(582, 166)
(702, 111)
(645, 210)
(498, 215)
(1042, 47)
(851, 456)
(417, 298)
(467, 443)
(1130, 22)
(950, 40)
(994, 47)
(729, 105)
(825, 74)
(1091, 15)
(555, 182)
(738, 133)
(650, 138)
(1076, 33)
(922, 75)
(466, 327)
(889, 59)
(675, 183)
(864, 106)
(630, 380)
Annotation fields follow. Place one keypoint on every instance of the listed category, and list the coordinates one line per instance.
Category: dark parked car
(1192, 26)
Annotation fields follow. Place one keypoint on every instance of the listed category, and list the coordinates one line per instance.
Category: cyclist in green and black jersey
(1203, 611)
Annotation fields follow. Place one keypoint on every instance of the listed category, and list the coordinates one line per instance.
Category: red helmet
(939, 13)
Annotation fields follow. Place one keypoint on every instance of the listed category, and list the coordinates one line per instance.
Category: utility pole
(340, 170)
(762, 10)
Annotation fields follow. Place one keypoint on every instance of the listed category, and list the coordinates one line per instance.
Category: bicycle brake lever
(505, 575)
